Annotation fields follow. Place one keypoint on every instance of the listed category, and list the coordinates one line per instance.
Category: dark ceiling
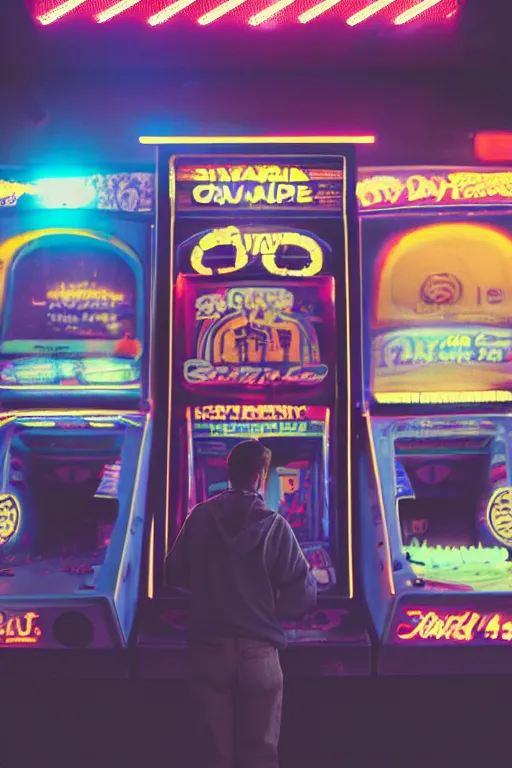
(478, 36)
(82, 92)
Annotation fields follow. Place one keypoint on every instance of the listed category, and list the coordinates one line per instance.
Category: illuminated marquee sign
(259, 186)
(250, 412)
(424, 626)
(249, 246)
(259, 421)
(260, 429)
(407, 188)
(19, 630)
(407, 356)
(442, 397)
(426, 347)
(88, 371)
(131, 192)
(259, 336)
(428, 427)
(11, 191)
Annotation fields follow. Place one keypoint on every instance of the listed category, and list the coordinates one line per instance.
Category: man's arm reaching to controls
(294, 583)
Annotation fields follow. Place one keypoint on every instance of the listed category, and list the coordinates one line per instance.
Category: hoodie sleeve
(176, 566)
(291, 577)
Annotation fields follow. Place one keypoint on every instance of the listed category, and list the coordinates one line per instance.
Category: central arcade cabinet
(253, 261)
(436, 494)
(74, 424)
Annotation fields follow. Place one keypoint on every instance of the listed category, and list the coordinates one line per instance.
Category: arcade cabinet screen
(296, 486)
(64, 479)
(257, 334)
(442, 514)
(84, 295)
(71, 318)
(438, 307)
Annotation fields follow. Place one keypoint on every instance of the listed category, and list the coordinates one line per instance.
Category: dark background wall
(82, 93)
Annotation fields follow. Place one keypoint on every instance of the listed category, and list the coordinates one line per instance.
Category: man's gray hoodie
(244, 569)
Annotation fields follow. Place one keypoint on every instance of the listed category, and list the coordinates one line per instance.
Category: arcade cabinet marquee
(255, 237)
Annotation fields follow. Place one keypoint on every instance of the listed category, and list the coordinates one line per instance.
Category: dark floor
(357, 723)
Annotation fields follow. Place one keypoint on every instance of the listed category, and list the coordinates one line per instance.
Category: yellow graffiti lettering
(462, 627)
(20, 629)
(273, 193)
(264, 244)
(262, 174)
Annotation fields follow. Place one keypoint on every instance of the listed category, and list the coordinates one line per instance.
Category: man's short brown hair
(247, 460)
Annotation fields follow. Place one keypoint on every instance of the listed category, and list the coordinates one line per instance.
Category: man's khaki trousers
(237, 693)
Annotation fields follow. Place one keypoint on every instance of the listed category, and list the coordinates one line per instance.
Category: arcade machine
(255, 246)
(436, 469)
(75, 423)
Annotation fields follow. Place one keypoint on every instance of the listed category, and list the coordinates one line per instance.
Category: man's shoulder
(278, 522)
(202, 507)
(208, 504)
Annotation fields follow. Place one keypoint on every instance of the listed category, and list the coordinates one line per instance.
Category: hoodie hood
(241, 518)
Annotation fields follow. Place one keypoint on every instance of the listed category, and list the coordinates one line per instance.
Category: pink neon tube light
(415, 11)
(59, 11)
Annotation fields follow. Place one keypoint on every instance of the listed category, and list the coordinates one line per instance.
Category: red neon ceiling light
(493, 146)
(253, 12)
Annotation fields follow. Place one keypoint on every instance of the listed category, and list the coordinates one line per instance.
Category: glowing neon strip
(269, 12)
(439, 398)
(382, 505)
(170, 423)
(370, 10)
(7, 420)
(416, 10)
(126, 420)
(135, 495)
(115, 10)
(190, 459)
(257, 139)
(71, 387)
(151, 559)
(348, 384)
(56, 412)
(167, 13)
(59, 11)
(220, 11)
(317, 10)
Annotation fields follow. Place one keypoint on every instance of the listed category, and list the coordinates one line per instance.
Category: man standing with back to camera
(245, 571)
